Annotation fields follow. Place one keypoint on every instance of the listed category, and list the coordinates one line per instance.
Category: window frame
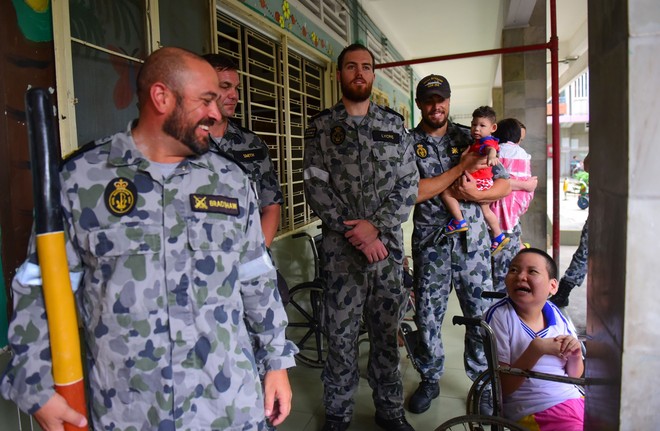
(64, 73)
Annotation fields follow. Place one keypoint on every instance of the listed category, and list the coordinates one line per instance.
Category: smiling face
(435, 112)
(528, 282)
(229, 85)
(195, 110)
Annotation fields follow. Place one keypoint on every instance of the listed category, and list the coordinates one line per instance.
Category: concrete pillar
(623, 315)
(524, 97)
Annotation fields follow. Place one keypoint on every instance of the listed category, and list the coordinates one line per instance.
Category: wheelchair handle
(492, 295)
(467, 321)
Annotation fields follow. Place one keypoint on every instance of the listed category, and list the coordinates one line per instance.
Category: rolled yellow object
(60, 308)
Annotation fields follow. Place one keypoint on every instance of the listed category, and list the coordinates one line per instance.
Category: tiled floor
(308, 414)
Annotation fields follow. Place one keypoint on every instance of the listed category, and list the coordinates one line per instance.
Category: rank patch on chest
(455, 150)
(214, 204)
(120, 196)
(250, 155)
(310, 132)
(385, 136)
(337, 135)
(421, 151)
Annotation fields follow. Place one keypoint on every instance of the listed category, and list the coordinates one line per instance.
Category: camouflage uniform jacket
(167, 285)
(365, 172)
(252, 153)
(433, 159)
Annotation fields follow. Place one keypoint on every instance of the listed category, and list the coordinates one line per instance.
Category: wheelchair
(488, 384)
(306, 312)
(305, 308)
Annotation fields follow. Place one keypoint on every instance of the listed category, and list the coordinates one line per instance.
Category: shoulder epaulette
(229, 157)
(321, 114)
(391, 111)
(82, 150)
(240, 127)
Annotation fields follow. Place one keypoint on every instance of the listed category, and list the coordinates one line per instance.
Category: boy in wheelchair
(532, 334)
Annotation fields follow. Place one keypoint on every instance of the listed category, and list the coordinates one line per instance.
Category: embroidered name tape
(379, 135)
(214, 204)
(249, 155)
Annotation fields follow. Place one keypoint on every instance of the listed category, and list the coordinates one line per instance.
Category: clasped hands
(364, 236)
(562, 346)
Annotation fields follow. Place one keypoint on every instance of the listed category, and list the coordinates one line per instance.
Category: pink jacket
(509, 209)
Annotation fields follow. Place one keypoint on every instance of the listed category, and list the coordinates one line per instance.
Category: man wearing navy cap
(442, 262)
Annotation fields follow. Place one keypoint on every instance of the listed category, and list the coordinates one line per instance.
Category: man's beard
(175, 126)
(435, 124)
(356, 94)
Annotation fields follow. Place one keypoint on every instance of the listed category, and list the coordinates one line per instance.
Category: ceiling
(431, 28)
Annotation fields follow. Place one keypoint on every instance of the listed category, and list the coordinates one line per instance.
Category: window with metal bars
(280, 91)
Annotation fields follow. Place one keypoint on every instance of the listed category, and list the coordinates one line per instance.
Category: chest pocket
(125, 241)
(121, 258)
(208, 232)
(386, 159)
(342, 161)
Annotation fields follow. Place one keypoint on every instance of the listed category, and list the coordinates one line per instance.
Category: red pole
(556, 151)
(508, 50)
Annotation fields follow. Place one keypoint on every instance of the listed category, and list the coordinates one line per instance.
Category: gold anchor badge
(421, 151)
(200, 202)
(337, 135)
(121, 196)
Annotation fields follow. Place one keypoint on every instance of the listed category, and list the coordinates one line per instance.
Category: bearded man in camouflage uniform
(361, 180)
(167, 282)
(442, 260)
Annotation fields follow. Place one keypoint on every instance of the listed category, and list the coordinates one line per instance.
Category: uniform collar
(339, 112)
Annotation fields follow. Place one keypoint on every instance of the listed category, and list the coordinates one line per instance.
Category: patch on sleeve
(385, 136)
(250, 155)
(214, 204)
(310, 132)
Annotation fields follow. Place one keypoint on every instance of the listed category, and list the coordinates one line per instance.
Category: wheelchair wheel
(480, 423)
(476, 392)
(305, 329)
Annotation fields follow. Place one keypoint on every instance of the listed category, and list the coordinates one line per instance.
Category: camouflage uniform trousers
(438, 268)
(377, 293)
(577, 269)
(502, 260)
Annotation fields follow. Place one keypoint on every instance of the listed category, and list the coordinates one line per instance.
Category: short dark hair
(550, 264)
(485, 112)
(508, 130)
(221, 62)
(354, 47)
